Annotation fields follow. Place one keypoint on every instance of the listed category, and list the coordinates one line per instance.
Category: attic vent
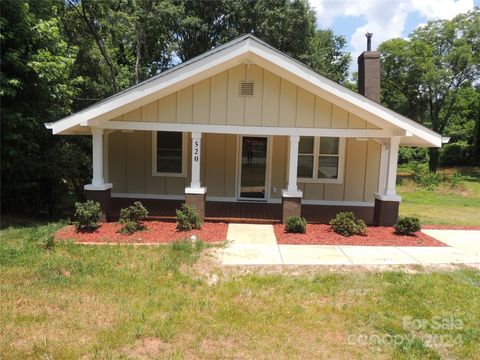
(246, 88)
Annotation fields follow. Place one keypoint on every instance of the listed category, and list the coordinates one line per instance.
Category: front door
(253, 168)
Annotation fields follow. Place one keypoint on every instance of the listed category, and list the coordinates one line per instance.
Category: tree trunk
(476, 142)
(433, 161)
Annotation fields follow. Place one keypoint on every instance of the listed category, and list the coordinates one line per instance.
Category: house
(246, 123)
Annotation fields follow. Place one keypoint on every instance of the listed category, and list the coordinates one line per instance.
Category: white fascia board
(338, 94)
(144, 92)
(250, 130)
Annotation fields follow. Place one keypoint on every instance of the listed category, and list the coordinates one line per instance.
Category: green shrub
(429, 180)
(457, 180)
(87, 215)
(407, 225)
(188, 218)
(132, 218)
(344, 223)
(424, 177)
(296, 224)
(409, 155)
(454, 154)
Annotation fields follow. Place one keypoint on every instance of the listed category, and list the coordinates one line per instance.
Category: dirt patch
(156, 232)
(321, 234)
(149, 348)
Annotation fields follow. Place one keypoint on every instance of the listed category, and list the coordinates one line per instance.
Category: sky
(387, 19)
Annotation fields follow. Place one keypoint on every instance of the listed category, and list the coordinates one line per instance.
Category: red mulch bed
(156, 232)
(321, 234)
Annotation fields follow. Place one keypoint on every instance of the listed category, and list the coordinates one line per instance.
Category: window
(320, 159)
(169, 153)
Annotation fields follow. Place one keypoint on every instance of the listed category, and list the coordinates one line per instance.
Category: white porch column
(195, 186)
(292, 197)
(385, 212)
(388, 171)
(382, 172)
(195, 195)
(392, 166)
(98, 183)
(292, 190)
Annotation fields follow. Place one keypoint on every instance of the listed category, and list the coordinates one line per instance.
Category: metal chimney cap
(369, 41)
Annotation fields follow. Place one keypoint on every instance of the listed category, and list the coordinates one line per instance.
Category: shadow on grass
(471, 173)
(15, 222)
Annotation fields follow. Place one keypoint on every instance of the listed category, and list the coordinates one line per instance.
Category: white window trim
(341, 164)
(184, 157)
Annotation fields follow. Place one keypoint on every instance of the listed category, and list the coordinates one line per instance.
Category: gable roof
(246, 48)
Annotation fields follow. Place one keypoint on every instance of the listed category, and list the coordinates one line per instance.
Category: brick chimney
(369, 72)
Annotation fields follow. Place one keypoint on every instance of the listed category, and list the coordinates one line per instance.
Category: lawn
(134, 302)
(446, 205)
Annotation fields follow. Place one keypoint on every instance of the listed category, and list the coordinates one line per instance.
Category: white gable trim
(340, 95)
(181, 76)
(233, 53)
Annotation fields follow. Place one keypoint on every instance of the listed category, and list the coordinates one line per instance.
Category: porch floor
(242, 212)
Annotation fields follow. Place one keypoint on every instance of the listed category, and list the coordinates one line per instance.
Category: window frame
(184, 157)
(316, 155)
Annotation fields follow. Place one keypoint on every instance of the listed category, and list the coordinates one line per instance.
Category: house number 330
(196, 147)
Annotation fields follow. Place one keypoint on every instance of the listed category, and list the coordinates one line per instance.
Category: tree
(423, 76)
(327, 55)
(287, 25)
(61, 56)
(37, 86)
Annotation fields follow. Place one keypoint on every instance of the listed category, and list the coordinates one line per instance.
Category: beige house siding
(130, 166)
(129, 157)
(362, 163)
(217, 101)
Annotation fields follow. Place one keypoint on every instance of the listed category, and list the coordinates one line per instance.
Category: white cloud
(385, 18)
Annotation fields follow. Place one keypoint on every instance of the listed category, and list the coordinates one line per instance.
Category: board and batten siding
(217, 101)
(129, 168)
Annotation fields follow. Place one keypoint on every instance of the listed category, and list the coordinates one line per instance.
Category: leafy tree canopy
(427, 77)
(60, 56)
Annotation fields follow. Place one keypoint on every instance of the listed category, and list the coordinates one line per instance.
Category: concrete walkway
(257, 245)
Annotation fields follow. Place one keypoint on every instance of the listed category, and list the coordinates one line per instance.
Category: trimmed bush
(87, 215)
(296, 224)
(344, 223)
(132, 218)
(407, 225)
(188, 218)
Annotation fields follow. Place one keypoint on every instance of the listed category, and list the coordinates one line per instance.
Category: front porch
(242, 212)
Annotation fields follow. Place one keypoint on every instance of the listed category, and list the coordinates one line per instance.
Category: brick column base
(291, 206)
(198, 201)
(104, 197)
(385, 213)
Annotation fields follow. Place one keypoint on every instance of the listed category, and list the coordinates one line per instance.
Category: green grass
(446, 205)
(128, 302)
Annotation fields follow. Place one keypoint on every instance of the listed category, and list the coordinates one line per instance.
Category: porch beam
(252, 130)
